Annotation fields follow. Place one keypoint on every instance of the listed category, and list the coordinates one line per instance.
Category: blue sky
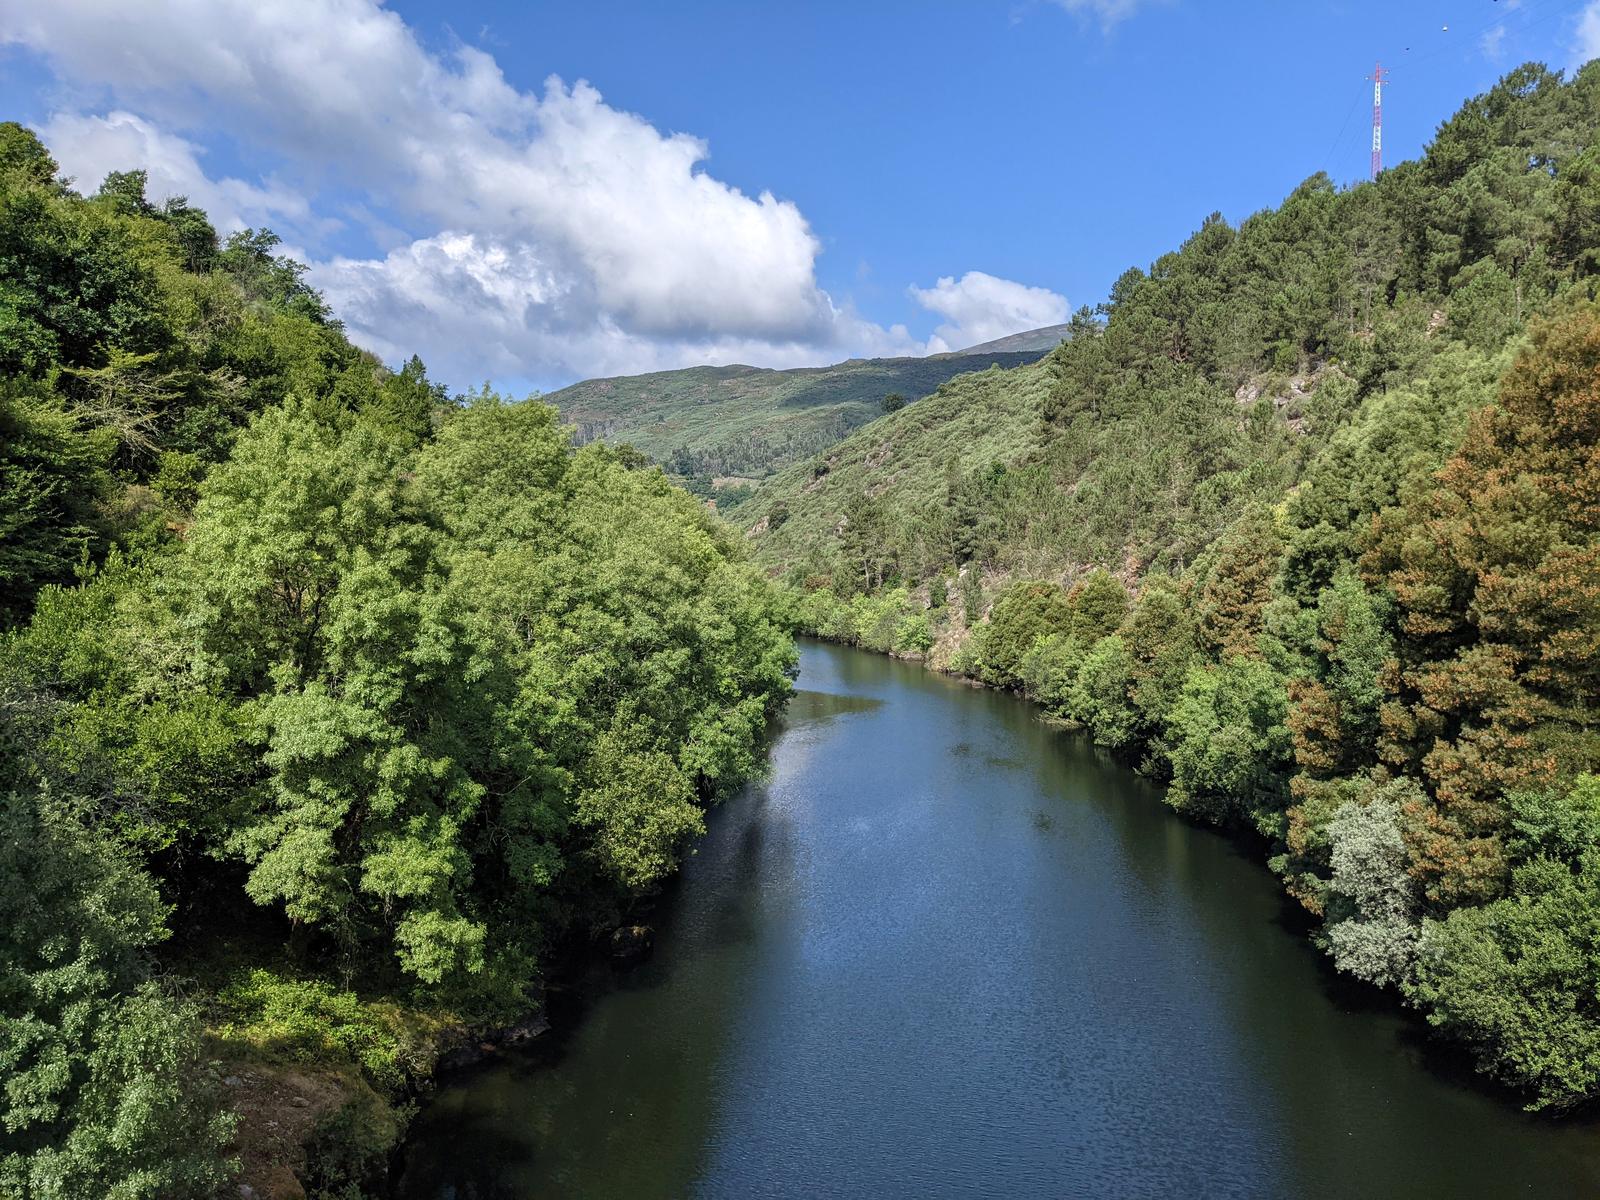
(770, 183)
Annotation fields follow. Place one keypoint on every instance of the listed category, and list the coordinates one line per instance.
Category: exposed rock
(632, 942)
(278, 1108)
(485, 1045)
(278, 1182)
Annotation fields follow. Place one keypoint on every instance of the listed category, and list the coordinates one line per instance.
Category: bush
(284, 1019)
(913, 635)
(1049, 670)
(347, 1155)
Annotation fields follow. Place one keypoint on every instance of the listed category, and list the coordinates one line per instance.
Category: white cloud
(1588, 39)
(88, 148)
(569, 228)
(980, 308)
(491, 310)
(535, 235)
(1107, 12)
(1493, 44)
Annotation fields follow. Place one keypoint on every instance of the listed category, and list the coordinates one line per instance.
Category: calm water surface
(947, 950)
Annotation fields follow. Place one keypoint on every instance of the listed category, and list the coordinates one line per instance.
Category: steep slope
(749, 421)
(979, 471)
(1306, 522)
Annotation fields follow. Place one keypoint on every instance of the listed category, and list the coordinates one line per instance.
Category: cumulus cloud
(90, 147)
(507, 308)
(980, 308)
(529, 234)
(1587, 45)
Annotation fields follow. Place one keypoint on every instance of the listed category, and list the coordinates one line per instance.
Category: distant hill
(748, 422)
(1040, 341)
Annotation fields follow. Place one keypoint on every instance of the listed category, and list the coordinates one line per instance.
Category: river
(945, 949)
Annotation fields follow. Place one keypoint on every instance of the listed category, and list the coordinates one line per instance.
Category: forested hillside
(1305, 520)
(705, 423)
(329, 705)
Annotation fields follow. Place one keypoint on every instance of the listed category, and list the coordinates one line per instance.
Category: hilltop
(1043, 340)
(750, 421)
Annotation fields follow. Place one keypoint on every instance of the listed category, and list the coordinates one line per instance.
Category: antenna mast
(1379, 77)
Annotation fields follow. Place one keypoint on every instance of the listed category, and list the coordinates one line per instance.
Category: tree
(1494, 570)
(1516, 981)
(105, 1092)
(1372, 917)
(1026, 612)
(53, 477)
(892, 403)
(1102, 693)
(1230, 751)
(313, 592)
(24, 156)
(1239, 585)
(1099, 603)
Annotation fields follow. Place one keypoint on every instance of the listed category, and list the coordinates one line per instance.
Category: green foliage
(1556, 823)
(1023, 615)
(23, 155)
(1099, 604)
(347, 1156)
(1517, 980)
(273, 1017)
(748, 421)
(1102, 694)
(434, 686)
(105, 1093)
(642, 809)
(53, 476)
(890, 622)
(1230, 749)
(1049, 670)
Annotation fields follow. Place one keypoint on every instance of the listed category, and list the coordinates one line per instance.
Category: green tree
(313, 592)
(1026, 612)
(1230, 750)
(105, 1090)
(54, 478)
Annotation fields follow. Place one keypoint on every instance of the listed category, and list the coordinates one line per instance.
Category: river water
(945, 949)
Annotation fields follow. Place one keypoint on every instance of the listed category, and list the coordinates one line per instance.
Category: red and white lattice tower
(1379, 77)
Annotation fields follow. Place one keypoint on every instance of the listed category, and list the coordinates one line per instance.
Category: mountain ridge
(749, 422)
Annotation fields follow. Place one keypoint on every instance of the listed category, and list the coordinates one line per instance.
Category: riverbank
(325, 1079)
